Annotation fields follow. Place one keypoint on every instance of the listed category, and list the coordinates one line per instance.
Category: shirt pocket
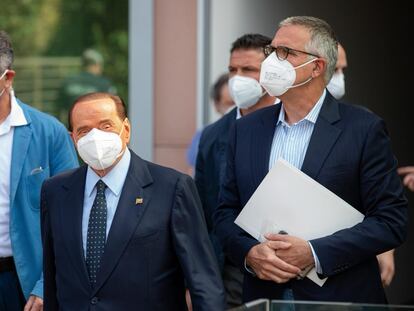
(33, 187)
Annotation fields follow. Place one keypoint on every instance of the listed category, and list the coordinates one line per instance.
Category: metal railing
(38, 79)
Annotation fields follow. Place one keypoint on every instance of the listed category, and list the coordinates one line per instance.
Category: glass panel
(277, 305)
(256, 305)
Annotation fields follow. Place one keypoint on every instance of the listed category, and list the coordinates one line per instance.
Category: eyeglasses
(282, 52)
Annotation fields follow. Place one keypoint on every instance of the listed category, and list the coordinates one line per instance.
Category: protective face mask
(277, 76)
(337, 85)
(245, 91)
(100, 149)
(2, 76)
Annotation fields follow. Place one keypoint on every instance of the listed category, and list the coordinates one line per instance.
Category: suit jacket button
(94, 300)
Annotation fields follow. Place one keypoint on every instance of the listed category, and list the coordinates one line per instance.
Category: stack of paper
(289, 200)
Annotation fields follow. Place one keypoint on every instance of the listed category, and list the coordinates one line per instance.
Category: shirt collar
(15, 118)
(312, 116)
(238, 115)
(114, 180)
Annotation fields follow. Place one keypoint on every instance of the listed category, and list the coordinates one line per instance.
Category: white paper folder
(287, 199)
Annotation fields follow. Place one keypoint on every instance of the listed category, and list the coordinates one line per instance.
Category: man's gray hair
(6, 52)
(322, 42)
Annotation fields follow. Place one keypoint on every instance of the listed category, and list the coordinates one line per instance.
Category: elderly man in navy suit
(121, 233)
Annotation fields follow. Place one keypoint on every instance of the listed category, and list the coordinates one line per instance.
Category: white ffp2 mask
(277, 76)
(245, 91)
(337, 85)
(100, 149)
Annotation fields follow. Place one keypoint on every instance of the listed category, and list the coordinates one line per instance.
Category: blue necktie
(96, 238)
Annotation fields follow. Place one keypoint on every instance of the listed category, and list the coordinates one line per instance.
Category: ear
(127, 130)
(9, 77)
(319, 68)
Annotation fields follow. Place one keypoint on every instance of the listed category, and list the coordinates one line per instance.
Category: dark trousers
(233, 284)
(11, 296)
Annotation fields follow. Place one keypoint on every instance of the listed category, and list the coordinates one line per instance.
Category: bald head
(342, 62)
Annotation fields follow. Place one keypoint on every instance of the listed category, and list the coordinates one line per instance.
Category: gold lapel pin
(139, 200)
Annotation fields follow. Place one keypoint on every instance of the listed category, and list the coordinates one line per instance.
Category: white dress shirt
(15, 118)
(114, 181)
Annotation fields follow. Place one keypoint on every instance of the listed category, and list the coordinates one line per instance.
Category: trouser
(11, 296)
(233, 283)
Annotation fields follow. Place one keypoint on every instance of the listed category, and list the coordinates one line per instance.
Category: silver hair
(323, 41)
(6, 52)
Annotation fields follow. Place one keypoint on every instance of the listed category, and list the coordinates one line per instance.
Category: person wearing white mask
(33, 147)
(223, 104)
(246, 56)
(343, 147)
(336, 87)
(121, 233)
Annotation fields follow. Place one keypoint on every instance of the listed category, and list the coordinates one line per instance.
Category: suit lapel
(262, 143)
(128, 214)
(21, 142)
(323, 138)
(71, 221)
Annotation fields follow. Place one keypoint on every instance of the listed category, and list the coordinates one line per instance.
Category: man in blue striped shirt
(343, 147)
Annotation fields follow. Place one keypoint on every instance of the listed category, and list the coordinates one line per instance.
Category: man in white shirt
(33, 147)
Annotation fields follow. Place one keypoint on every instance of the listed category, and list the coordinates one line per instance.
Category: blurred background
(163, 56)
(49, 37)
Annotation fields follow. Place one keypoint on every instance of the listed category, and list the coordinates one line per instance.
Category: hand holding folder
(289, 200)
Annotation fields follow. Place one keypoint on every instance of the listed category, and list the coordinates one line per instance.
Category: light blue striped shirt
(290, 143)
(114, 181)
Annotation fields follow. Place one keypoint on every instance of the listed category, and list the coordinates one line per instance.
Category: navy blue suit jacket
(210, 168)
(350, 154)
(154, 250)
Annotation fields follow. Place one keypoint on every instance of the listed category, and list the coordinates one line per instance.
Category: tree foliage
(66, 28)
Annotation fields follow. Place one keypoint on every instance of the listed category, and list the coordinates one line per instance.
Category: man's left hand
(298, 254)
(387, 267)
(34, 304)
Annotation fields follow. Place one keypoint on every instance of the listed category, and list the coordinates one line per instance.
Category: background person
(246, 56)
(89, 80)
(336, 87)
(222, 104)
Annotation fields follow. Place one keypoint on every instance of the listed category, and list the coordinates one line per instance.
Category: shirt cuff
(315, 257)
(248, 269)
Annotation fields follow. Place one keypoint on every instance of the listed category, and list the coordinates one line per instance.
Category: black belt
(7, 264)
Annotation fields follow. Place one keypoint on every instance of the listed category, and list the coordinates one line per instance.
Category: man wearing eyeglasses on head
(343, 147)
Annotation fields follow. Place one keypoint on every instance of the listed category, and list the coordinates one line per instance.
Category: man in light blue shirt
(342, 147)
(122, 233)
(114, 181)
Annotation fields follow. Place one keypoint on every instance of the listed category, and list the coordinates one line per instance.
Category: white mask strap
(4, 73)
(304, 64)
(300, 84)
(306, 81)
(2, 76)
